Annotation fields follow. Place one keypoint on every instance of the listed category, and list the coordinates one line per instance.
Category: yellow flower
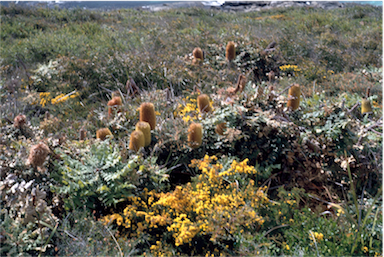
(59, 99)
(339, 212)
(189, 111)
(289, 67)
(318, 236)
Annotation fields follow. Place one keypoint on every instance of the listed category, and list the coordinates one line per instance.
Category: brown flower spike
(366, 106)
(114, 103)
(147, 113)
(137, 140)
(82, 134)
(294, 97)
(144, 127)
(220, 128)
(19, 121)
(242, 80)
(103, 133)
(203, 103)
(38, 154)
(195, 135)
(230, 52)
(198, 55)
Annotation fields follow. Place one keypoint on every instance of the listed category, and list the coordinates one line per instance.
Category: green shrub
(96, 177)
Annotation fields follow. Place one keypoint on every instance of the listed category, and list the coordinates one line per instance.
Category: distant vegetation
(282, 157)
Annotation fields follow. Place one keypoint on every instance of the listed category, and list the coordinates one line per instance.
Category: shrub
(96, 177)
(200, 217)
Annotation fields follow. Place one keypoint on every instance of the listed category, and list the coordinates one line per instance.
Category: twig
(376, 124)
(71, 236)
(321, 200)
(271, 45)
(106, 89)
(272, 229)
(376, 132)
(302, 94)
(285, 89)
(118, 246)
(329, 194)
(342, 104)
(314, 87)
(351, 110)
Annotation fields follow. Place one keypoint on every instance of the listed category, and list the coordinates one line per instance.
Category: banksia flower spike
(365, 103)
(38, 154)
(103, 133)
(195, 135)
(147, 113)
(198, 55)
(294, 97)
(19, 121)
(113, 103)
(230, 51)
(366, 106)
(220, 128)
(82, 134)
(136, 141)
(242, 80)
(144, 127)
(203, 103)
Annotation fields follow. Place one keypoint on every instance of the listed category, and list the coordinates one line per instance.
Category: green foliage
(321, 233)
(96, 177)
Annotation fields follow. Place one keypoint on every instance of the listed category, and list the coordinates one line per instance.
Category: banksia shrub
(103, 133)
(38, 154)
(203, 103)
(366, 106)
(136, 141)
(230, 52)
(198, 55)
(19, 121)
(195, 135)
(113, 103)
(294, 97)
(144, 127)
(220, 128)
(147, 113)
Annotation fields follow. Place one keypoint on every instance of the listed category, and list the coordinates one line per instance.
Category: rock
(245, 6)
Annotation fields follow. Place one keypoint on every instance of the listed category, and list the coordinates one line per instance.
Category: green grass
(321, 164)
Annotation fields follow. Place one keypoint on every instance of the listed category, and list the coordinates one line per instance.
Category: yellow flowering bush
(206, 212)
(61, 98)
(188, 111)
(46, 97)
(290, 69)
